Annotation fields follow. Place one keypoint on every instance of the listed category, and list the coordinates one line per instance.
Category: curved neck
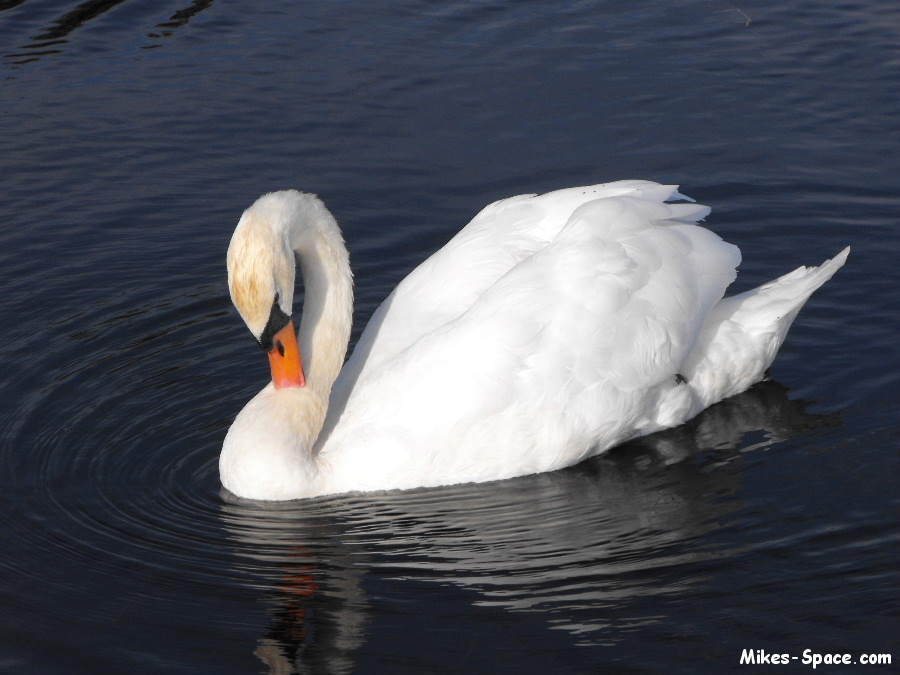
(328, 297)
(269, 451)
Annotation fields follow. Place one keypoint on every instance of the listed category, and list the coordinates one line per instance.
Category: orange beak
(287, 366)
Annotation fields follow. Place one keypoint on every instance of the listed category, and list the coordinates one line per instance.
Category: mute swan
(548, 330)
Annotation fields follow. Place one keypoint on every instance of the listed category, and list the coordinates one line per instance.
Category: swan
(549, 329)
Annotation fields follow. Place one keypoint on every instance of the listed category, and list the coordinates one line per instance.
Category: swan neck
(327, 317)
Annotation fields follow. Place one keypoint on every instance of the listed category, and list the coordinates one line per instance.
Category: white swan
(549, 329)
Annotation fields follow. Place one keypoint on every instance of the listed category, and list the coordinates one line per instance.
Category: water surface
(133, 134)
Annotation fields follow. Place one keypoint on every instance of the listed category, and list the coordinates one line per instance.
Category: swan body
(551, 328)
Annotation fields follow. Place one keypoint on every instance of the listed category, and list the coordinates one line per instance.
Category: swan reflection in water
(566, 544)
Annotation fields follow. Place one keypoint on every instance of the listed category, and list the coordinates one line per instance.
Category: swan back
(563, 333)
(500, 237)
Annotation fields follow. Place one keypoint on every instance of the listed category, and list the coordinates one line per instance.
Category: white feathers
(550, 328)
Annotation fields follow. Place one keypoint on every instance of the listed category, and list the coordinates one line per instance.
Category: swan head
(261, 264)
(261, 271)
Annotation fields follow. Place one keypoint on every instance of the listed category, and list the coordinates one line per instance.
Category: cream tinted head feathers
(261, 261)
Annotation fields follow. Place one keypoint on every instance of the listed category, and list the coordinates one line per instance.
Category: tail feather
(743, 333)
(791, 290)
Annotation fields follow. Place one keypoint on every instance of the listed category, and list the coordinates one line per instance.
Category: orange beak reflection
(287, 366)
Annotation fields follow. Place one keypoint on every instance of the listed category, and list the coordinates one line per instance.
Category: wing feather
(597, 295)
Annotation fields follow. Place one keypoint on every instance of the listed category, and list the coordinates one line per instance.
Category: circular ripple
(122, 485)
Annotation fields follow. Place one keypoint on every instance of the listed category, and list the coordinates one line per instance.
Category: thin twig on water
(734, 8)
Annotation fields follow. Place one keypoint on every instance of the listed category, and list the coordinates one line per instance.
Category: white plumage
(549, 329)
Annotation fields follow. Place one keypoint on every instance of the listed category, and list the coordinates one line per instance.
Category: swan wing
(563, 337)
(454, 278)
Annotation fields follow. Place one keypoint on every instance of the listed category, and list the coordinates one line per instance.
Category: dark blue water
(133, 134)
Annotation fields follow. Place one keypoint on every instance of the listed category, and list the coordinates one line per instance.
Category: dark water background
(133, 134)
